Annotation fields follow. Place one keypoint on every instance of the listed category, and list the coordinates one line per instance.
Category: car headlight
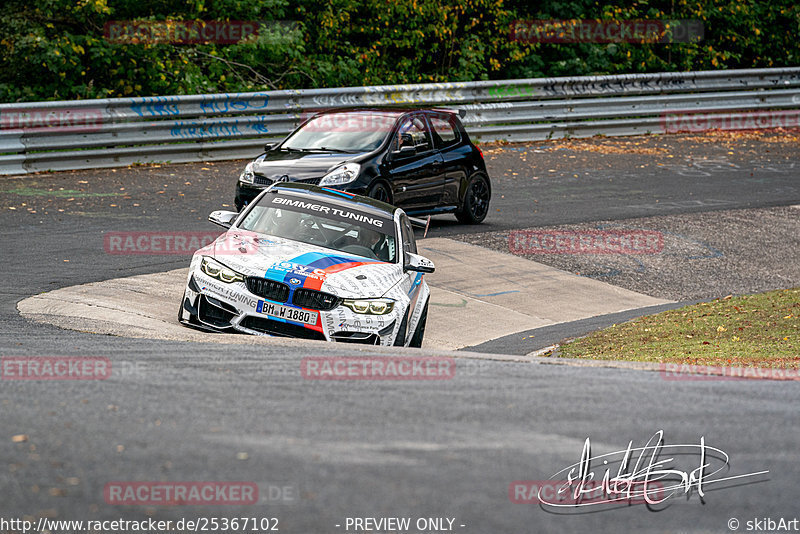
(215, 269)
(247, 175)
(370, 306)
(343, 174)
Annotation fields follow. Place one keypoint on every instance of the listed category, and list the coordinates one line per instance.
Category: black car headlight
(215, 269)
(370, 306)
(247, 175)
(343, 174)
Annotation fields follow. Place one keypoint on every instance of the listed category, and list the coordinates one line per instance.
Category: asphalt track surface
(178, 411)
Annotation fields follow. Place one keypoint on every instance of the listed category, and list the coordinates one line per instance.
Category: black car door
(455, 155)
(416, 175)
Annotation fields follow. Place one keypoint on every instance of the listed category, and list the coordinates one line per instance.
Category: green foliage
(56, 49)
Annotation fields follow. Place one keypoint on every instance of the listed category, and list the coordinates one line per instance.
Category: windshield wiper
(343, 151)
(326, 149)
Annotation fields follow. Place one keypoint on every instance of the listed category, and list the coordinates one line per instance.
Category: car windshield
(327, 225)
(342, 132)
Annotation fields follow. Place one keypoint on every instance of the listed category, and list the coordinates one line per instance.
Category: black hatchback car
(419, 160)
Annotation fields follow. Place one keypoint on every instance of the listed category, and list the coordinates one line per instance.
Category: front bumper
(214, 306)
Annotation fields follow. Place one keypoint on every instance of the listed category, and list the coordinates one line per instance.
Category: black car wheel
(380, 192)
(476, 200)
(419, 333)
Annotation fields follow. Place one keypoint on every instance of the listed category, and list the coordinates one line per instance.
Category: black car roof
(334, 196)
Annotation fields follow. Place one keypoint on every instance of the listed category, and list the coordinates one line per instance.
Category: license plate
(285, 312)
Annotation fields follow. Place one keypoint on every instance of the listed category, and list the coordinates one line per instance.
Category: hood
(298, 165)
(303, 265)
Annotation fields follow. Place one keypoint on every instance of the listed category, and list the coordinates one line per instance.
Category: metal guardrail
(41, 136)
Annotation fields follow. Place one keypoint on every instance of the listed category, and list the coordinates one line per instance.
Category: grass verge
(761, 330)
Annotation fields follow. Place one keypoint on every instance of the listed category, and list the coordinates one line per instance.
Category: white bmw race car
(315, 263)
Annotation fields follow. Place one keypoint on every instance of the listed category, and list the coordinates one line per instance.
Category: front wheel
(380, 192)
(476, 200)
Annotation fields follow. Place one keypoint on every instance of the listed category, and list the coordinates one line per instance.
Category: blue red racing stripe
(297, 278)
(344, 194)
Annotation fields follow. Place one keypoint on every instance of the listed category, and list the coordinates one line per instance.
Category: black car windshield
(342, 132)
(327, 225)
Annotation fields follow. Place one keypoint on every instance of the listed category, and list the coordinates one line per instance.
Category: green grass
(760, 330)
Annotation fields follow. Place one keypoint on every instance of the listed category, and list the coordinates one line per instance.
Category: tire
(379, 191)
(476, 200)
(419, 333)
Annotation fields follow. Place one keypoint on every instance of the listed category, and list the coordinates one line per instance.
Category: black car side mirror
(268, 146)
(405, 151)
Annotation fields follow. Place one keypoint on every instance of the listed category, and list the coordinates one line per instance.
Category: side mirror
(405, 151)
(417, 263)
(223, 218)
(269, 146)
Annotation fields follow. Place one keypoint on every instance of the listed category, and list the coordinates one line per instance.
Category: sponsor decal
(333, 212)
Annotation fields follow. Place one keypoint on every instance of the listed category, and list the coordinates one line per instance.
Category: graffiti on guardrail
(203, 129)
(156, 106)
(53, 120)
(234, 102)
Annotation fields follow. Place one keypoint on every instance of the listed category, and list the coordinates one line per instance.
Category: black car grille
(263, 180)
(277, 328)
(315, 300)
(268, 289)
